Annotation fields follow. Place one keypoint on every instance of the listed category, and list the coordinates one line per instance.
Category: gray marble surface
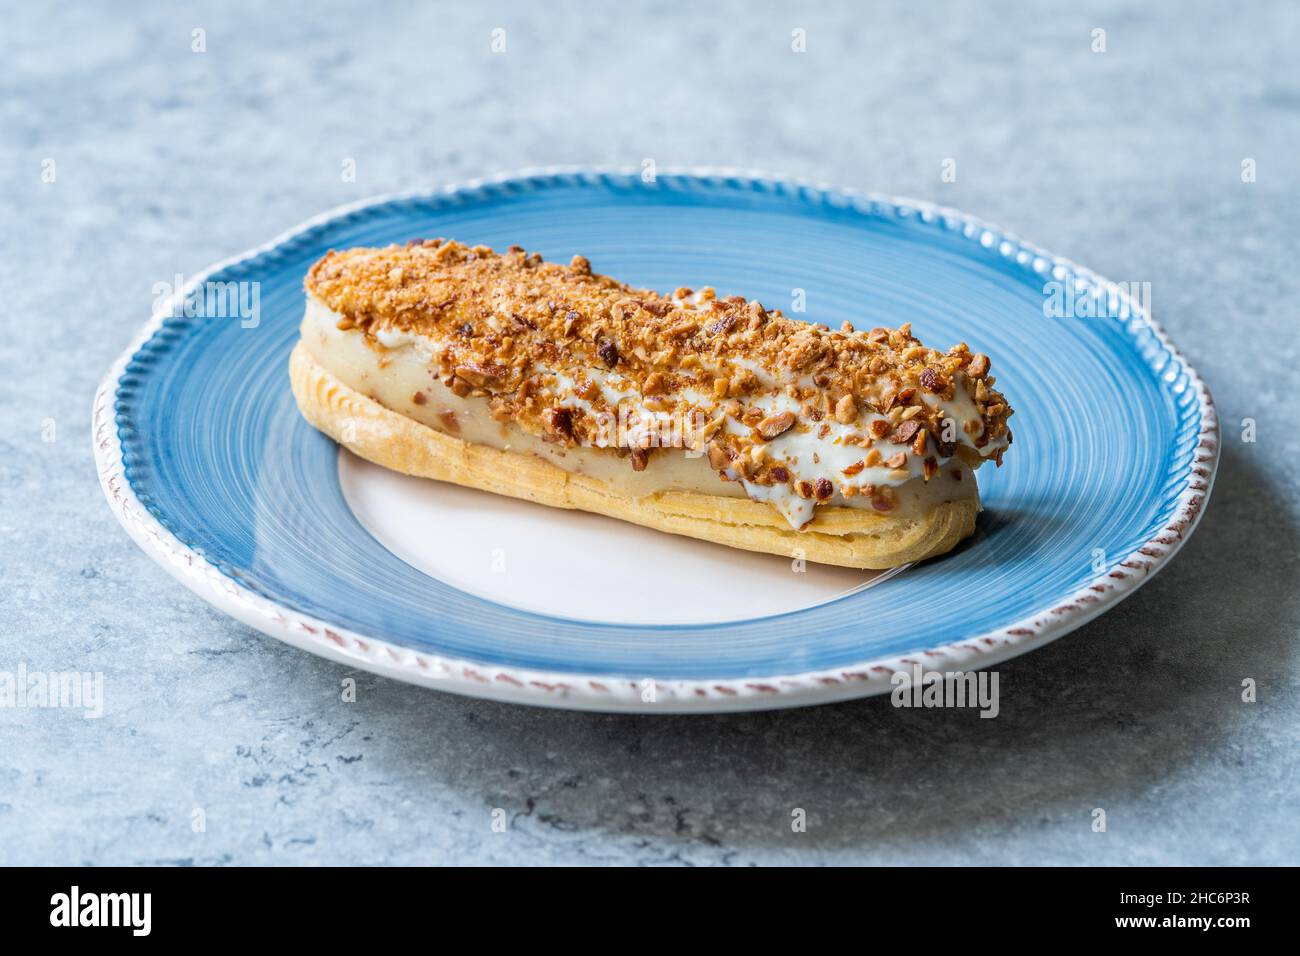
(167, 160)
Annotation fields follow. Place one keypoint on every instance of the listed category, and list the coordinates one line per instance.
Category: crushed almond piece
(776, 425)
(481, 376)
(904, 433)
(846, 410)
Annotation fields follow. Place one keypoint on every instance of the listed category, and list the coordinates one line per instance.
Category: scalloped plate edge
(599, 693)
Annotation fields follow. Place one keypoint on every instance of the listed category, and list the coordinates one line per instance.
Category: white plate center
(577, 565)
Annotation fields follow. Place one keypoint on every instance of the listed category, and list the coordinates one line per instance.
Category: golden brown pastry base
(848, 537)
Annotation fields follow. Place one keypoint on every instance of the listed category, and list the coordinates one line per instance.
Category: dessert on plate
(702, 416)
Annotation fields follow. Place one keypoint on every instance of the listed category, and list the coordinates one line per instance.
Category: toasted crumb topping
(553, 347)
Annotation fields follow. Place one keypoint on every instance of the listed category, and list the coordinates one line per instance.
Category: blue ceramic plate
(206, 461)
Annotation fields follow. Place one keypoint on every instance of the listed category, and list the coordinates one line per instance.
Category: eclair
(709, 417)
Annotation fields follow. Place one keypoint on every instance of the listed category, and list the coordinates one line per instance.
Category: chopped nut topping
(559, 423)
(481, 376)
(771, 427)
(682, 329)
(904, 433)
(846, 410)
(530, 336)
(932, 381)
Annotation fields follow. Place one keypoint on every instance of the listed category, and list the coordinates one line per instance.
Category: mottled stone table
(166, 159)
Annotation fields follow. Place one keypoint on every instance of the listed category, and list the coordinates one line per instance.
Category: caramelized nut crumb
(559, 423)
(846, 410)
(904, 433)
(481, 376)
(932, 381)
(775, 425)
